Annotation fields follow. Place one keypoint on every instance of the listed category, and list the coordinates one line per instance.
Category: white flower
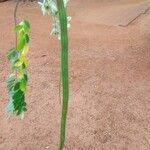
(45, 7)
(50, 7)
(65, 2)
(68, 22)
(53, 6)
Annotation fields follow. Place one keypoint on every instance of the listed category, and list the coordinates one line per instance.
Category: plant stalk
(15, 20)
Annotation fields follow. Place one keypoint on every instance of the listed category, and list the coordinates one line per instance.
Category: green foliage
(17, 81)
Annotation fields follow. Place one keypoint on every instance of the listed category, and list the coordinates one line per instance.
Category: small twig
(15, 19)
(15, 23)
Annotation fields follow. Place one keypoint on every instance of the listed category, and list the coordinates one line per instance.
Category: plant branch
(15, 19)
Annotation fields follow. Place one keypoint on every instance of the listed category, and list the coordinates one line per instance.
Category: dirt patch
(109, 81)
(117, 15)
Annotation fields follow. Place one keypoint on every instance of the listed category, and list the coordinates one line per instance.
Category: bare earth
(109, 79)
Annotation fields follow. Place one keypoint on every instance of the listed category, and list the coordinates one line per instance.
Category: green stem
(64, 70)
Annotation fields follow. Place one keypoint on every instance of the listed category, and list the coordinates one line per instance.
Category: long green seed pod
(61, 23)
(64, 70)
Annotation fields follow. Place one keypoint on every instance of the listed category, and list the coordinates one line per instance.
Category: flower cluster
(50, 7)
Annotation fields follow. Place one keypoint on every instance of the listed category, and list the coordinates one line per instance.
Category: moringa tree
(18, 79)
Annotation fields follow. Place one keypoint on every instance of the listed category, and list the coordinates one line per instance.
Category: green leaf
(23, 85)
(23, 66)
(26, 24)
(25, 51)
(21, 41)
(17, 86)
(26, 36)
(19, 102)
(10, 106)
(18, 63)
(10, 83)
(18, 28)
(17, 95)
(26, 77)
(12, 54)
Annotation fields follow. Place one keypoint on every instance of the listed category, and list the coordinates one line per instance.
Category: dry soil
(109, 105)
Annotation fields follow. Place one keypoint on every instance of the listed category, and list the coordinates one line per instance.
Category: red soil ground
(109, 81)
